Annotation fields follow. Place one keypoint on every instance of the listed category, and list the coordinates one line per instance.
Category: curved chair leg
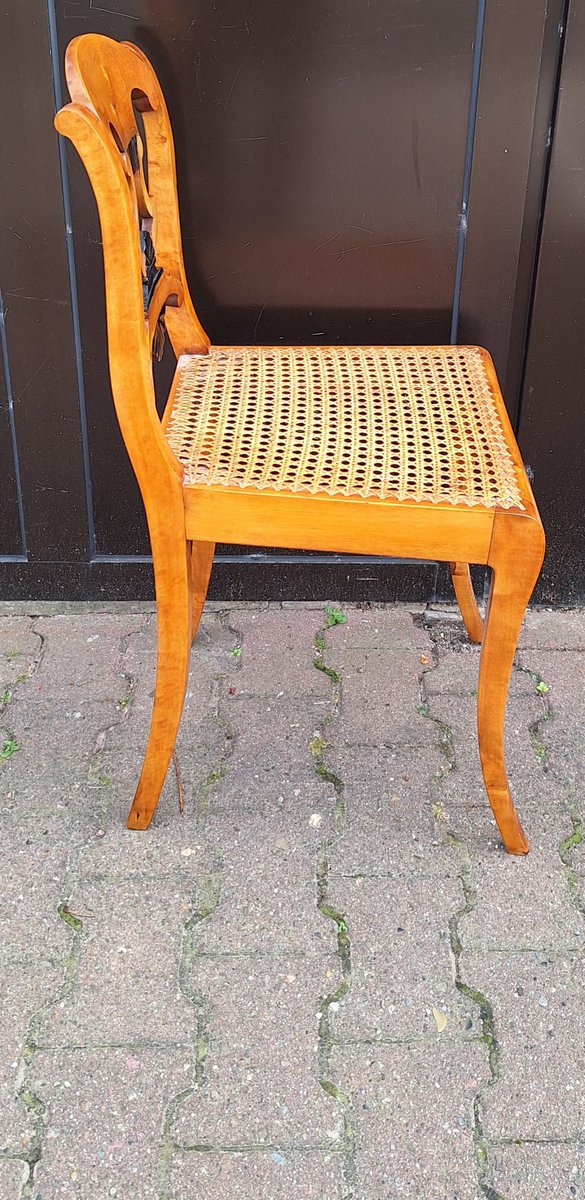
(465, 597)
(173, 604)
(516, 554)
(200, 564)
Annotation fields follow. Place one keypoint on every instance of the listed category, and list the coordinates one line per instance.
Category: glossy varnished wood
(465, 596)
(108, 81)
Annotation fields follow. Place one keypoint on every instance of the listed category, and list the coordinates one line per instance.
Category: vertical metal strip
(471, 127)
(12, 429)
(562, 36)
(55, 67)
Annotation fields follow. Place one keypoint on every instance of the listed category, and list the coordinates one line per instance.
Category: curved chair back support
(146, 287)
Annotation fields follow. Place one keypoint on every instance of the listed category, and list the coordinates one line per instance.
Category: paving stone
(388, 797)
(413, 1112)
(538, 1001)
(563, 733)
(521, 903)
(199, 710)
(272, 1175)
(537, 1171)
(20, 649)
(457, 671)
(379, 698)
(82, 657)
(387, 628)
(199, 751)
(261, 1071)
(269, 755)
(172, 850)
(126, 985)
(32, 889)
(56, 742)
(267, 889)
(105, 1111)
(278, 654)
(261, 965)
(401, 964)
(13, 1175)
(461, 746)
(541, 803)
(27, 988)
(545, 629)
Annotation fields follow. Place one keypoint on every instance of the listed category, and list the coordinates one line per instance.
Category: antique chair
(404, 451)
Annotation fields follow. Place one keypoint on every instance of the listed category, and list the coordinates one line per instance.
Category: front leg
(516, 554)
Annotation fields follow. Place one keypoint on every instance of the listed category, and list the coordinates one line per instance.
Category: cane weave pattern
(412, 423)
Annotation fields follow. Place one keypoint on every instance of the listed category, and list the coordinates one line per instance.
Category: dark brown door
(552, 426)
(355, 172)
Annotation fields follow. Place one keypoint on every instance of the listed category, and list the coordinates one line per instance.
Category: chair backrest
(109, 82)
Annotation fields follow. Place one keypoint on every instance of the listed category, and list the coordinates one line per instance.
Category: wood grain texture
(108, 82)
(465, 597)
(516, 554)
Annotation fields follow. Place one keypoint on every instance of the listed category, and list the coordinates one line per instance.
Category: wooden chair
(404, 451)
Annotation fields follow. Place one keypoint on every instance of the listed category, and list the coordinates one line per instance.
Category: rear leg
(465, 596)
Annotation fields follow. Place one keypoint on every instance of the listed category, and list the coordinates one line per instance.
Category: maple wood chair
(404, 451)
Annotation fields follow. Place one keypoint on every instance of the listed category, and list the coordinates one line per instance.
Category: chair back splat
(146, 288)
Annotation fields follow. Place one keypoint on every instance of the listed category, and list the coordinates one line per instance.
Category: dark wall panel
(36, 296)
(552, 429)
(516, 97)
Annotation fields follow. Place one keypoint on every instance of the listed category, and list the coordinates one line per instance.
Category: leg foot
(465, 596)
(516, 554)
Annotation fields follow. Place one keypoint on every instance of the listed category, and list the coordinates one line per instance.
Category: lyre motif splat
(151, 272)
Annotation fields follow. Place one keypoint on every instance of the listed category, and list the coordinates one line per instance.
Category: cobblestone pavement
(325, 979)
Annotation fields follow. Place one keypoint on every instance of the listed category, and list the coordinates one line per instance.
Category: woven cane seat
(411, 423)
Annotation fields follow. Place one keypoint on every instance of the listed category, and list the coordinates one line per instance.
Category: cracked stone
(415, 1102)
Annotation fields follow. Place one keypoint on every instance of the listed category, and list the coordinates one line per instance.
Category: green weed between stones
(9, 748)
(334, 616)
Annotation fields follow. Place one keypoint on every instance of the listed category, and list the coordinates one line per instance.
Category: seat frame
(109, 82)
